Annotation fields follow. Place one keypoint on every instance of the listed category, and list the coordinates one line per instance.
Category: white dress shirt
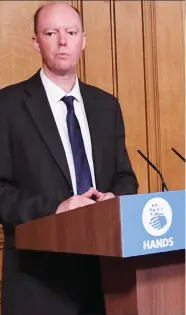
(59, 110)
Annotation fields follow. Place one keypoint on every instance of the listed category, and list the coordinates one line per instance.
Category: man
(62, 146)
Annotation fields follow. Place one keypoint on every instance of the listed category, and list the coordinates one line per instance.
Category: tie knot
(68, 100)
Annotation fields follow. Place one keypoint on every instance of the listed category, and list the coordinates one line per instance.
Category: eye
(50, 33)
(72, 33)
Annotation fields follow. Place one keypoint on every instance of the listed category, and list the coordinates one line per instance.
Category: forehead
(58, 16)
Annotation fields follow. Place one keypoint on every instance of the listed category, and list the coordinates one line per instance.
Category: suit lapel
(92, 110)
(38, 106)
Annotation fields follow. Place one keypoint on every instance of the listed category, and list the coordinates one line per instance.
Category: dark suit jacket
(35, 179)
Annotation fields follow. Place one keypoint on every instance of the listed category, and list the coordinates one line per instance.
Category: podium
(140, 241)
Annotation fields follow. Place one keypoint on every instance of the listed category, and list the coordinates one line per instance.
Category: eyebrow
(66, 28)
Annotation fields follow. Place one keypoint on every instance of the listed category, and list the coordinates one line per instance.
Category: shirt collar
(55, 93)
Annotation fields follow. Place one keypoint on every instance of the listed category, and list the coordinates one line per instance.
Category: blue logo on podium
(152, 223)
(157, 216)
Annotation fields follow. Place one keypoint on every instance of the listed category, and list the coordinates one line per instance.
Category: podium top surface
(124, 226)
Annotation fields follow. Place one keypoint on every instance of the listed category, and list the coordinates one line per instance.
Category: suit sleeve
(125, 181)
(17, 207)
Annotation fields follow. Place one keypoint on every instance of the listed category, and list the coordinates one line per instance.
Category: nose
(62, 39)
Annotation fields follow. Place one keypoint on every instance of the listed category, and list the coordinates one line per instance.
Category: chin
(64, 70)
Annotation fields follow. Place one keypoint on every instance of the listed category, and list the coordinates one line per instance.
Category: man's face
(60, 38)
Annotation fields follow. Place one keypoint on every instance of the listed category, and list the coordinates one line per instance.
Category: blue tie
(82, 170)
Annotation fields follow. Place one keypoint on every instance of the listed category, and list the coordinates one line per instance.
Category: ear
(36, 43)
(84, 40)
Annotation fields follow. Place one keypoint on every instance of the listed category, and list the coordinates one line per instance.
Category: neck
(65, 81)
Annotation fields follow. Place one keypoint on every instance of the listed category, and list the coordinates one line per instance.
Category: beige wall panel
(130, 65)
(98, 55)
(170, 55)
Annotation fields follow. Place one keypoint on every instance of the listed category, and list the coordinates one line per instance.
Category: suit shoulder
(100, 93)
(11, 91)
(10, 97)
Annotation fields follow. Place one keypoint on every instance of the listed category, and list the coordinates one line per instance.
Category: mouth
(63, 55)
